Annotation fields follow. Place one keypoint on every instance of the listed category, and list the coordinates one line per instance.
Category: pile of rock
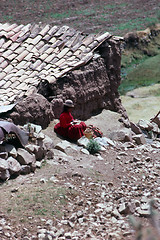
(23, 160)
(141, 133)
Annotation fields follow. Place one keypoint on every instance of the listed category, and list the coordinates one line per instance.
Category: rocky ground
(75, 195)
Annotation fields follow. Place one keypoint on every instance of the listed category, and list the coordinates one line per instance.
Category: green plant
(93, 146)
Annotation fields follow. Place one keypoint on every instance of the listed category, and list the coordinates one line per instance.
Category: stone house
(41, 66)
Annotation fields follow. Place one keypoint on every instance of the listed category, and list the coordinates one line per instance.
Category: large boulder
(34, 108)
(24, 157)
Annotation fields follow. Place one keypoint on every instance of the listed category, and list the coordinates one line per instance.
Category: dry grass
(144, 105)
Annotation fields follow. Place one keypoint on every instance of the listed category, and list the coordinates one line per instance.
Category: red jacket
(66, 129)
(65, 119)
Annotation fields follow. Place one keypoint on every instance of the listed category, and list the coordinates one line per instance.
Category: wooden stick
(152, 119)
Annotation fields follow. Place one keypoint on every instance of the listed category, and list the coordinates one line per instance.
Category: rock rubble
(102, 206)
(24, 160)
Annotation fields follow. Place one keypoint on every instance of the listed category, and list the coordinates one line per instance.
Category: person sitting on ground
(68, 127)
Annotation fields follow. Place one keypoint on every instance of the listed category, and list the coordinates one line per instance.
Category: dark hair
(65, 108)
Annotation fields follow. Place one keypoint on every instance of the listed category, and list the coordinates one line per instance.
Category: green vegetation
(144, 73)
(93, 147)
(140, 64)
(38, 201)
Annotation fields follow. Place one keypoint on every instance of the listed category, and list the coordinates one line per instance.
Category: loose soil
(66, 184)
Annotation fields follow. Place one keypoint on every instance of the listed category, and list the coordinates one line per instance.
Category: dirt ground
(73, 182)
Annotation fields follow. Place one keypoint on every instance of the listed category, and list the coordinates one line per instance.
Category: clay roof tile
(44, 30)
(33, 52)
(2, 41)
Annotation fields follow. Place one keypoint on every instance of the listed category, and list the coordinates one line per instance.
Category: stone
(155, 145)
(24, 157)
(155, 128)
(43, 180)
(113, 236)
(14, 166)
(3, 164)
(4, 174)
(157, 120)
(122, 135)
(139, 139)
(48, 143)
(115, 213)
(101, 205)
(11, 150)
(100, 158)
(102, 141)
(63, 145)
(40, 136)
(123, 208)
(79, 214)
(57, 152)
(85, 151)
(108, 209)
(135, 128)
(145, 125)
(83, 141)
(25, 169)
(128, 145)
(143, 213)
(4, 155)
(38, 164)
(136, 159)
(145, 206)
(38, 151)
(53, 179)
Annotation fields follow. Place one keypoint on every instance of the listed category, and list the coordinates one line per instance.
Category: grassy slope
(140, 66)
(145, 73)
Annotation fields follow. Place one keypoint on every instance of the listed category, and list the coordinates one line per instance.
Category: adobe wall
(92, 87)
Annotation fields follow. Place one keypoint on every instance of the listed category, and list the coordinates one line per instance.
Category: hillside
(88, 16)
(141, 59)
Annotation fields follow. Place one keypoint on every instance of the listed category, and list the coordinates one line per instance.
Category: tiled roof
(31, 53)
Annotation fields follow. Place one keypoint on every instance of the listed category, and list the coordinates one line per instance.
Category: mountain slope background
(88, 16)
